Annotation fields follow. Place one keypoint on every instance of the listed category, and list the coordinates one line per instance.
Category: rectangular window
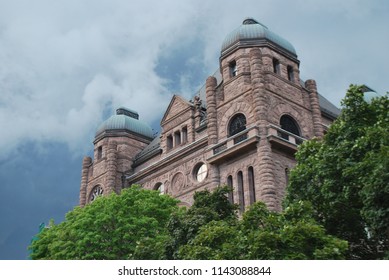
(177, 138)
(290, 74)
(184, 134)
(99, 152)
(231, 193)
(251, 185)
(233, 69)
(276, 66)
(169, 142)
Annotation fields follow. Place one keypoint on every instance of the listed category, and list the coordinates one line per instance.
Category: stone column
(86, 162)
(211, 110)
(315, 106)
(214, 175)
(111, 168)
(258, 86)
(267, 190)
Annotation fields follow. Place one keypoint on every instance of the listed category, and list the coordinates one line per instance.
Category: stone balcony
(234, 145)
(282, 139)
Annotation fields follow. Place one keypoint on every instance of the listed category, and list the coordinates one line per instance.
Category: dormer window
(233, 69)
(290, 73)
(276, 66)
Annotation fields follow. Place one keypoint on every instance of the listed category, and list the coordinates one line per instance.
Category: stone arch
(237, 123)
(236, 107)
(160, 186)
(288, 123)
(300, 117)
(96, 190)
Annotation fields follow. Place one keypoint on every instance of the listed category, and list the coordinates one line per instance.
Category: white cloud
(63, 63)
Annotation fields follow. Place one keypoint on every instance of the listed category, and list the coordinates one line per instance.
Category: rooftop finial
(127, 112)
(250, 20)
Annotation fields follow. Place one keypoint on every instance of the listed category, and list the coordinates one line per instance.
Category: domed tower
(117, 141)
(259, 113)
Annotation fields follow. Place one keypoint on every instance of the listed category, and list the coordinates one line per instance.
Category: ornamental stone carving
(178, 181)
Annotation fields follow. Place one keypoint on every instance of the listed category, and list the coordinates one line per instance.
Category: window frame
(237, 117)
(200, 172)
(233, 68)
(291, 126)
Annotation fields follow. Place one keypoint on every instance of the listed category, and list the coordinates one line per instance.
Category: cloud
(65, 64)
(62, 68)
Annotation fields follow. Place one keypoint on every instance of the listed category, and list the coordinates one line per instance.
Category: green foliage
(210, 229)
(261, 234)
(131, 225)
(346, 175)
(208, 206)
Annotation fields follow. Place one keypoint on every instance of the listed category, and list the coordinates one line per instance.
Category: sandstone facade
(242, 129)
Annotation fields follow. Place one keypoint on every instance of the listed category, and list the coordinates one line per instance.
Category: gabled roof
(176, 101)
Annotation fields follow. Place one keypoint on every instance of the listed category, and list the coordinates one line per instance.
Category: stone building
(241, 129)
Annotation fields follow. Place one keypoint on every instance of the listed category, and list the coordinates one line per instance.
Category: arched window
(160, 187)
(231, 193)
(289, 124)
(237, 124)
(241, 191)
(95, 193)
(251, 185)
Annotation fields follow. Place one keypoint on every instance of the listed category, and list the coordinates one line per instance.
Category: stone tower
(117, 141)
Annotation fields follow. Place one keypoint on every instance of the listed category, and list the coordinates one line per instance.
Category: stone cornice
(174, 156)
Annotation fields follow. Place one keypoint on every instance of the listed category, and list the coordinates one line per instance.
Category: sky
(66, 65)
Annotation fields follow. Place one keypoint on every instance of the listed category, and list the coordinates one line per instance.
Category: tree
(208, 206)
(131, 225)
(210, 229)
(262, 234)
(346, 175)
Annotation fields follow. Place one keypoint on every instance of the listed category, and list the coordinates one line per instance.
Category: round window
(201, 172)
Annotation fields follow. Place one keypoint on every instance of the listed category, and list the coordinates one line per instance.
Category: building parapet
(233, 145)
(283, 139)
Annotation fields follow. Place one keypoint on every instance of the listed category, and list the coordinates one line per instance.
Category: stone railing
(235, 139)
(280, 133)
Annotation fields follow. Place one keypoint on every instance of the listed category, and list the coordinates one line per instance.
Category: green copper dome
(127, 120)
(253, 33)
